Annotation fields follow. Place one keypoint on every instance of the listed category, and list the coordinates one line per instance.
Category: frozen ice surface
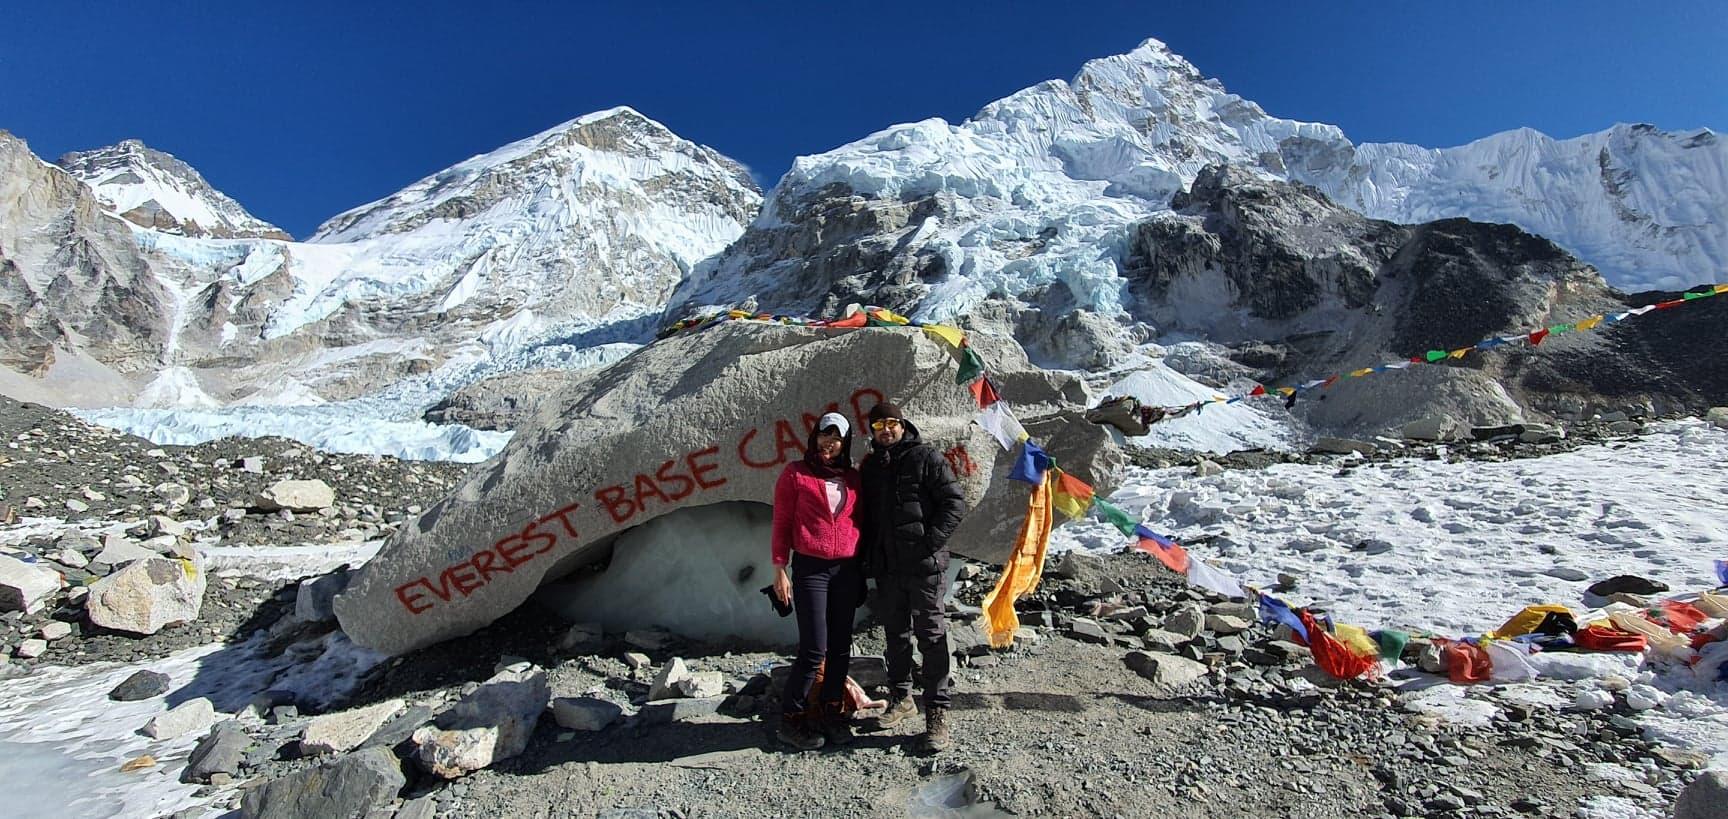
(329, 427)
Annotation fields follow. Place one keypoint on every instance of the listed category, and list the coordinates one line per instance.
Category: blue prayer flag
(1031, 465)
(1273, 610)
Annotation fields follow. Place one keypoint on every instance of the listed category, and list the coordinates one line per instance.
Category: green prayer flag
(1436, 355)
(1391, 643)
(1559, 328)
(1691, 295)
(971, 366)
(1115, 516)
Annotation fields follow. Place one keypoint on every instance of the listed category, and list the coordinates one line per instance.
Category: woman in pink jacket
(815, 532)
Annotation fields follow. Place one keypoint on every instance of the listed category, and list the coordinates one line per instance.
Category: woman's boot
(795, 733)
(836, 724)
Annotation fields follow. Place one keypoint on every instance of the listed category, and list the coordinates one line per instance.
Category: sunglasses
(884, 424)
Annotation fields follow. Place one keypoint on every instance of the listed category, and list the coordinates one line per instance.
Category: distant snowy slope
(1649, 208)
(153, 189)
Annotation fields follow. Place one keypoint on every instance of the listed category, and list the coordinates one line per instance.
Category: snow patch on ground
(1220, 428)
(330, 427)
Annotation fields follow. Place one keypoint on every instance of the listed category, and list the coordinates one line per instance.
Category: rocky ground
(1128, 694)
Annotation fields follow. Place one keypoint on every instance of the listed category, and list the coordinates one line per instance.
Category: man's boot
(836, 725)
(936, 738)
(899, 709)
(795, 733)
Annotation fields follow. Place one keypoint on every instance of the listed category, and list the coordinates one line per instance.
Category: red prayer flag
(984, 391)
(1536, 337)
(1328, 382)
(1332, 656)
(1258, 390)
(1668, 304)
(1173, 556)
(854, 320)
(1467, 663)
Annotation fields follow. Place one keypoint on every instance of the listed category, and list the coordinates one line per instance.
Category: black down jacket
(911, 505)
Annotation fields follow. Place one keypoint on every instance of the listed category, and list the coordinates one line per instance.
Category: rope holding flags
(1533, 338)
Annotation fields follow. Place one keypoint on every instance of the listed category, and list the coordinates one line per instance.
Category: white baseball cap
(836, 420)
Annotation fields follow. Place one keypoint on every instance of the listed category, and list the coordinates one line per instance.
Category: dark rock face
(140, 686)
(1306, 288)
(350, 786)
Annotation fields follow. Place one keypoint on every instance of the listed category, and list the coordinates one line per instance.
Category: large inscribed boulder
(698, 419)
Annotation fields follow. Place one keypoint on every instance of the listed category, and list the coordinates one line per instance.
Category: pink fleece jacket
(803, 520)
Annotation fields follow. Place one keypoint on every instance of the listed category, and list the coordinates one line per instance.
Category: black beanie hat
(885, 410)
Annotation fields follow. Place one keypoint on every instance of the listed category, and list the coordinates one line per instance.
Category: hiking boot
(936, 738)
(796, 734)
(836, 726)
(899, 709)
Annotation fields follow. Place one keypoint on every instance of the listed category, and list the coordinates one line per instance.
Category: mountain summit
(153, 189)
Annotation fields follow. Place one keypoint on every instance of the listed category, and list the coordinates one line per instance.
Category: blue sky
(302, 110)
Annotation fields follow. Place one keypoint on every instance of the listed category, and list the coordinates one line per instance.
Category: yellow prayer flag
(1362, 372)
(954, 336)
(885, 314)
(1356, 639)
(1459, 353)
(1070, 495)
(1722, 288)
(1589, 323)
(1020, 574)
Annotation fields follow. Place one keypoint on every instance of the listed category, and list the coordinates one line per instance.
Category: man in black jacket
(911, 504)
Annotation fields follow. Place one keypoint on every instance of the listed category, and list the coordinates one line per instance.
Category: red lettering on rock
(960, 460)
(563, 516)
(698, 470)
(645, 487)
(514, 550)
(462, 577)
(486, 564)
(786, 440)
(414, 603)
(686, 486)
(861, 412)
(744, 453)
(619, 507)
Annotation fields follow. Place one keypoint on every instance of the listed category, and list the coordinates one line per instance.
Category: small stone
(296, 496)
(31, 649)
(1565, 573)
(192, 715)
(1089, 630)
(142, 685)
(345, 730)
(1225, 624)
(220, 751)
(702, 684)
(1165, 671)
(25, 587)
(353, 785)
(679, 710)
(585, 713)
(1374, 546)
(77, 505)
(56, 630)
(637, 661)
(665, 683)
(1206, 469)
(138, 763)
(1185, 621)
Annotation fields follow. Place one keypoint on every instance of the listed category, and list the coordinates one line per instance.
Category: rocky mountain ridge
(153, 189)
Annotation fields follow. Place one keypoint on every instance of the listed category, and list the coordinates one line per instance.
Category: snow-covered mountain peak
(616, 149)
(156, 190)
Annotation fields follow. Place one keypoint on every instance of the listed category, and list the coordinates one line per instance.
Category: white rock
(1592, 700)
(194, 715)
(253, 464)
(1167, 672)
(637, 660)
(31, 649)
(24, 586)
(493, 723)
(1222, 624)
(665, 685)
(117, 551)
(1645, 697)
(1185, 622)
(1206, 469)
(702, 684)
(706, 419)
(162, 525)
(296, 496)
(70, 558)
(1565, 573)
(148, 595)
(56, 630)
(585, 713)
(77, 505)
(173, 494)
(345, 730)
(1431, 428)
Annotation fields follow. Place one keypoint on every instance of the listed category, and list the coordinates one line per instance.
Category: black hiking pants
(825, 597)
(911, 608)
